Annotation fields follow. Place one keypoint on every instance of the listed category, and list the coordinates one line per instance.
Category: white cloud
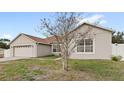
(7, 36)
(103, 21)
(94, 19)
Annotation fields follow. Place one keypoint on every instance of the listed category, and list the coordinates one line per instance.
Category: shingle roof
(37, 39)
(50, 39)
(47, 40)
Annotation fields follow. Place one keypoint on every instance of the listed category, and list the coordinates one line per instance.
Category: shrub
(116, 58)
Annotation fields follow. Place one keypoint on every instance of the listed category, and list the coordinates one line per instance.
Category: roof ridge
(37, 39)
(32, 36)
(98, 25)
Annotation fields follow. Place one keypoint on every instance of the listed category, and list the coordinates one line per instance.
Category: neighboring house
(97, 45)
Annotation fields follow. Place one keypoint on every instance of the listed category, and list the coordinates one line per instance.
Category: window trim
(84, 49)
(52, 49)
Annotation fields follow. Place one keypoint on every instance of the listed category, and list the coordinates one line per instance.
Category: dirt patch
(1, 67)
(61, 75)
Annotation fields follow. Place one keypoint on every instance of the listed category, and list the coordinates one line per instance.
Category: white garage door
(24, 51)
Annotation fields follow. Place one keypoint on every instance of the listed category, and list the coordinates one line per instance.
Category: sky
(14, 23)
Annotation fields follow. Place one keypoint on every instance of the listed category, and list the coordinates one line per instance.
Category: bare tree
(63, 29)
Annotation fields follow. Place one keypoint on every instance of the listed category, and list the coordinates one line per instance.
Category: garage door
(25, 51)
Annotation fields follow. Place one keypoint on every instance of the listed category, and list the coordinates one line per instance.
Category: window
(85, 45)
(80, 47)
(56, 48)
(88, 45)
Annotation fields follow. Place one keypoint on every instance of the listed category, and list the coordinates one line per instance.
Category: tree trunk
(65, 63)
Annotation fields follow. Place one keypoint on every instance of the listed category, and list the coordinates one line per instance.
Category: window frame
(52, 48)
(84, 47)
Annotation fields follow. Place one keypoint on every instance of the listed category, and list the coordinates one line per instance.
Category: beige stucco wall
(43, 50)
(102, 44)
(22, 40)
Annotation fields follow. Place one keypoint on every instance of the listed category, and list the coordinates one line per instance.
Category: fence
(118, 50)
(1, 52)
(7, 53)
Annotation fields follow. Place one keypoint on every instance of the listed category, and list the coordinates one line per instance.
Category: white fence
(1, 52)
(118, 50)
(7, 53)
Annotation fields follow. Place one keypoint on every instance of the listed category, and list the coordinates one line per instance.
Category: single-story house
(98, 46)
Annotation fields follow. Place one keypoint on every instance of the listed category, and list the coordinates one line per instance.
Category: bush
(116, 58)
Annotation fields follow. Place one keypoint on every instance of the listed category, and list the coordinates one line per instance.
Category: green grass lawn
(50, 57)
(49, 69)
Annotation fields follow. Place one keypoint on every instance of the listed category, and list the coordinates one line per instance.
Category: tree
(4, 43)
(62, 28)
(117, 37)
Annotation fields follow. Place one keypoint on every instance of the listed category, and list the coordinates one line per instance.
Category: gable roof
(47, 40)
(51, 39)
(94, 25)
(36, 39)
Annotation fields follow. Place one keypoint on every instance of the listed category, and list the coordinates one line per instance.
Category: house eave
(93, 25)
(43, 43)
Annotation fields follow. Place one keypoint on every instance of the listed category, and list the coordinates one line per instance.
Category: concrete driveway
(12, 58)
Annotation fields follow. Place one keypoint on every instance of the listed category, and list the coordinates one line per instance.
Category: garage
(28, 46)
(25, 51)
